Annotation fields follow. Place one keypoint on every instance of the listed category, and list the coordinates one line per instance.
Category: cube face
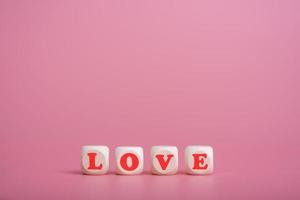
(129, 160)
(199, 160)
(164, 160)
(94, 160)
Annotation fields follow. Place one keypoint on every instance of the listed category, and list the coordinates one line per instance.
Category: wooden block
(94, 160)
(199, 160)
(164, 160)
(129, 160)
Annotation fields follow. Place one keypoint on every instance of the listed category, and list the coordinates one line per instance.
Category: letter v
(164, 164)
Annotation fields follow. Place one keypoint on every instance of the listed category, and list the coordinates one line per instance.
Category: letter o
(134, 161)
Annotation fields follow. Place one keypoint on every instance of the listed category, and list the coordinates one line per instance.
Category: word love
(130, 160)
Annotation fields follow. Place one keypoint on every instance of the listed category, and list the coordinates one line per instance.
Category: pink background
(132, 72)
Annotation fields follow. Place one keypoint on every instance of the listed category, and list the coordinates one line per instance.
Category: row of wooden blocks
(130, 160)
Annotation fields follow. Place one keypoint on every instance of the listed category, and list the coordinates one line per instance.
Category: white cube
(129, 160)
(94, 159)
(164, 160)
(199, 160)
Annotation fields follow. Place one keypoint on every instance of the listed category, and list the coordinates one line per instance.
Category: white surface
(189, 159)
(102, 157)
(138, 151)
(172, 166)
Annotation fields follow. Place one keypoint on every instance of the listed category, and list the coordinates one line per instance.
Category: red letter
(162, 162)
(92, 163)
(199, 163)
(134, 161)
